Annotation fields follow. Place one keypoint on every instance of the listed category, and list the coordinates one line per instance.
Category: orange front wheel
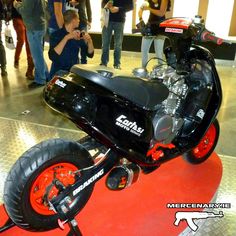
(205, 147)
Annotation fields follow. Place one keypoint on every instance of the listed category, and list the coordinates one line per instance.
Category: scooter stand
(74, 229)
(9, 224)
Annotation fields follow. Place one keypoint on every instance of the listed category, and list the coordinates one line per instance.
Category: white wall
(96, 15)
(219, 16)
(185, 8)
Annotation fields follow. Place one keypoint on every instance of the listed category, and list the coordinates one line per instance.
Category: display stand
(8, 224)
(142, 208)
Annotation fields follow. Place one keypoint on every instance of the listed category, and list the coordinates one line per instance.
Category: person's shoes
(35, 85)
(101, 64)
(16, 64)
(3, 72)
(29, 75)
(117, 67)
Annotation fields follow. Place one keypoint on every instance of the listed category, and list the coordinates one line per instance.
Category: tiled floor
(19, 105)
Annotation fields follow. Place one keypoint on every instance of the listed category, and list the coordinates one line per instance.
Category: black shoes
(101, 64)
(34, 85)
(3, 72)
(29, 75)
(117, 67)
(16, 64)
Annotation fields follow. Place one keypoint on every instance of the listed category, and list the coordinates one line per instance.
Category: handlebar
(198, 33)
(207, 36)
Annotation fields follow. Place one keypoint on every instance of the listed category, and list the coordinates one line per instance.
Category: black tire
(19, 198)
(205, 147)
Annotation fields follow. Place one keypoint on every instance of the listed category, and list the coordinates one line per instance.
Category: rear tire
(205, 147)
(33, 172)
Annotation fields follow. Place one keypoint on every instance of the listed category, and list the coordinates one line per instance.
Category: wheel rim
(64, 172)
(206, 143)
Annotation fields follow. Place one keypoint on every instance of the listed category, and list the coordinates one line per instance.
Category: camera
(82, 33)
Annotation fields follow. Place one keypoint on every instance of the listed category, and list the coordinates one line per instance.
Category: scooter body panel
(99, 111)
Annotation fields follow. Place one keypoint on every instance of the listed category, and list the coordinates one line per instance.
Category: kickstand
(9, 224)
(74, 229)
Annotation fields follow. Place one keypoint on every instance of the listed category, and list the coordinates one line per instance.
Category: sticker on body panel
(127, 125)
(174, 30)
(60, 83)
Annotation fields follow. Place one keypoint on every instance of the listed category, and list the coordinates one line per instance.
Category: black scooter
(133, 123)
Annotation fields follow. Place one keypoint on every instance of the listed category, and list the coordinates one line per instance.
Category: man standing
(33, 14)
(117, 9)
(85, 16)
(56, 9)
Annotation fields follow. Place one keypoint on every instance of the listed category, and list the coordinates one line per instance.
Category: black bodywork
(118, 111)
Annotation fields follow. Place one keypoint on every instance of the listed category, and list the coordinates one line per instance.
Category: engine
(167, 121)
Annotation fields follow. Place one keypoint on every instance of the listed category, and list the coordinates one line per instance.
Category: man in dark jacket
(66, 42)
(85, 16)
(117, 13)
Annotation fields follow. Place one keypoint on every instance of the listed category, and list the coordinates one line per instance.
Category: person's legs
(83, 53)
(118, 40)
(35, 39)
(29, 72)
(158, 45)
(83, 48)
(3, 60)
(20, 37)
(145, 47)
(106, 40)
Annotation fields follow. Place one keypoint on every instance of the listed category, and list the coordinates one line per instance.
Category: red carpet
(141, 209)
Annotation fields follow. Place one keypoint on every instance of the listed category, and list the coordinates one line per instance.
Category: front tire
(205, 147)
(31, 178)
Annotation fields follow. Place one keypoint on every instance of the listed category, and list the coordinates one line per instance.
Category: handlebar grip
(207, 36)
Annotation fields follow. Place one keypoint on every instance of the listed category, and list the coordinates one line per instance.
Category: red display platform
(141, 209)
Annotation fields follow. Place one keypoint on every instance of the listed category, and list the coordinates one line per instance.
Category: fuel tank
(114, 109)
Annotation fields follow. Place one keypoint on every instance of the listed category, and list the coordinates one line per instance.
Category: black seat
(146, 94)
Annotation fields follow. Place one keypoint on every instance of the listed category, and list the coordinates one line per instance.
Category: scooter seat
(146, 94)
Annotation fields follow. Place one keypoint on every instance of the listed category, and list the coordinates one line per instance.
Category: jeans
(83, 48)
(21, 39)
(118, 28)
(3, 60)
(35, 39)
(158, 45)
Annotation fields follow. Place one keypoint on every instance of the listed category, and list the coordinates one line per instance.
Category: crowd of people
(67, 23)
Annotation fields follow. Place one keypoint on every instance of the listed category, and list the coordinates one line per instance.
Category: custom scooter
(132, 123)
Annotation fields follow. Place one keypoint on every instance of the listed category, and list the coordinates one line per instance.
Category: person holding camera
(66, 42)
(157, 9)
(83, 7)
